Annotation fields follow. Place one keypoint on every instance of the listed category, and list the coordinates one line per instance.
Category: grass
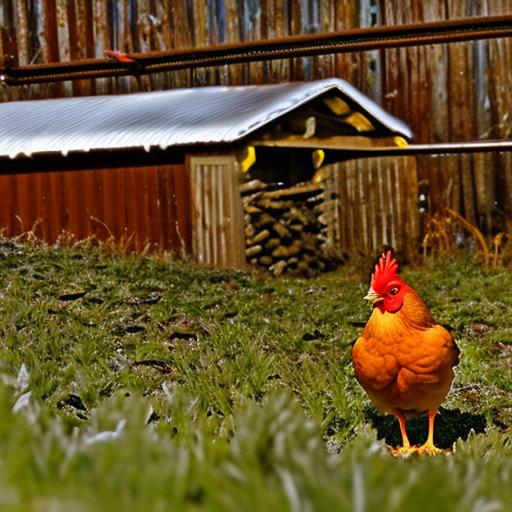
(130, 383)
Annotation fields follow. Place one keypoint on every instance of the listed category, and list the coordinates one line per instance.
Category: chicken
(403, 359)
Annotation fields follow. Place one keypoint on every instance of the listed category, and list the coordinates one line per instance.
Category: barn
(171, 170)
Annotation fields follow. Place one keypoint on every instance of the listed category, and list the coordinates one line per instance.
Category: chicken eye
(393, 291)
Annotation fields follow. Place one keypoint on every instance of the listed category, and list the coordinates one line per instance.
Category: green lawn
(130, 383)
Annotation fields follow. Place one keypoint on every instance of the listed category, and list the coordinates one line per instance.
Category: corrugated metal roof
(163, 119)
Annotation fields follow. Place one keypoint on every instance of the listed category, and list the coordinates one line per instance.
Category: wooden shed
(163, 170)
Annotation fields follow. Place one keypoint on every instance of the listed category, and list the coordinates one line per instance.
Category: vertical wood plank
(22, 32)
(217, 217)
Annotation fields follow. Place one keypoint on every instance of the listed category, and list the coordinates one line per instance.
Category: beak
(373, 296)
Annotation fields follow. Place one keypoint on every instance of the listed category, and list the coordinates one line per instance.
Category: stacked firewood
(286, 229)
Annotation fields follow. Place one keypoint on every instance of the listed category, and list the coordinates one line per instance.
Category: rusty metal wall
(455, 92)
(217, 213)
(376, 205)
(139, 208)
(477, 185)
(450, 92)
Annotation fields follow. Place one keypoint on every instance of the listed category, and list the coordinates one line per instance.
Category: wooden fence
(376, 204)
(449, 92)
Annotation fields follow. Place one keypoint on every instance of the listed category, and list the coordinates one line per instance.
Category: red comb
(386, 270)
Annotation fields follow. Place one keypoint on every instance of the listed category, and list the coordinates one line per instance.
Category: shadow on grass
(451, 424)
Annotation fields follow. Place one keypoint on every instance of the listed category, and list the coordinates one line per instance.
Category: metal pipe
(476, 146)
(445, 148)
(361, 39)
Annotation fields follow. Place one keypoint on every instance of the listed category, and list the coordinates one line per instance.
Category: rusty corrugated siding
(376, 205)
(217, 217)
(452, 92)
(422, 85)
(137, 208)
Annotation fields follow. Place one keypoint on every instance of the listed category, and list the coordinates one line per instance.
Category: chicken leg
(428, 448)
(406, 449)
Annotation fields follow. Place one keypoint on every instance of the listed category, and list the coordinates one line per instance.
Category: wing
(374, 369)
(435, 352)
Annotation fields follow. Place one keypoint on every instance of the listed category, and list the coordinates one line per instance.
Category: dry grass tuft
(447, 231)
